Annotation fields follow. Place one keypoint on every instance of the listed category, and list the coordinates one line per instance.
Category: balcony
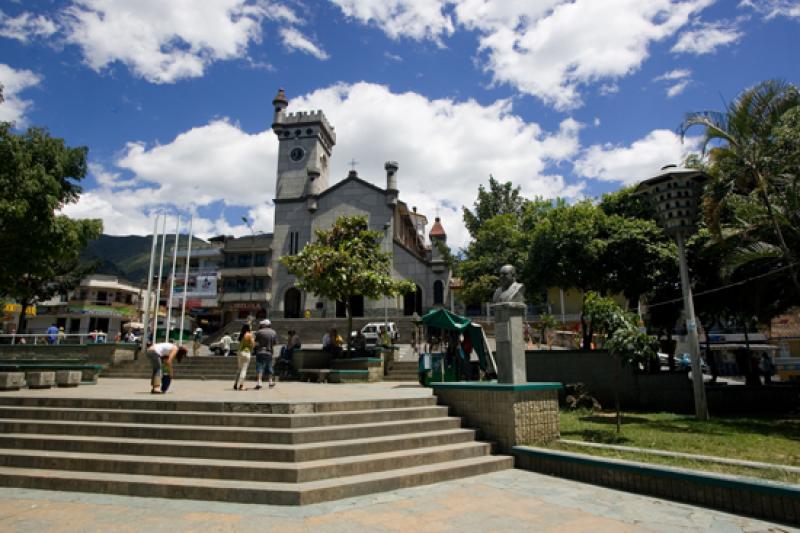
(254, 296)
(246, 272)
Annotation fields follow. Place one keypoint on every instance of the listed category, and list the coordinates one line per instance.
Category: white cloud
(25, 25)
(294, 40)
(774, 8)
(445, 149)
(705, 38)
(677, 74)
(166, 41)
(608, 89)
(14, 81)
(546, 48)
(414, 19)
(677, 89)
(630, 164)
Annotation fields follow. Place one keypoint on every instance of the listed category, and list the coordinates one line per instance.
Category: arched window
(438, 292)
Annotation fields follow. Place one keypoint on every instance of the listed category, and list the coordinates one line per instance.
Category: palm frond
(747, 255)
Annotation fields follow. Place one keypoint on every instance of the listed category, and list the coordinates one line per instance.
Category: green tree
(500, 199)
(39, 175)
(746, 159)
(618, 332)
(344, 262)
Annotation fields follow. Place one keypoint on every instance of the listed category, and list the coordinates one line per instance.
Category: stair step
(235, 450)
(228, 434)
(249, 491)
(158, 403)
(221, 419)
(238, 469)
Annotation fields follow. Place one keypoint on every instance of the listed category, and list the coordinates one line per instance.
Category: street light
(674, 194)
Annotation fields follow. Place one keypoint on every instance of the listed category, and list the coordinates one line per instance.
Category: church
(304, 202)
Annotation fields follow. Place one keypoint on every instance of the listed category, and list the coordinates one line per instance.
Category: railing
(49, 339)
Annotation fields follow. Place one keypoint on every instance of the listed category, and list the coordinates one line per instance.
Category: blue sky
(567, 98)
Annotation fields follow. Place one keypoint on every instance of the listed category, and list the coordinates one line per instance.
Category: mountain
(127, 257)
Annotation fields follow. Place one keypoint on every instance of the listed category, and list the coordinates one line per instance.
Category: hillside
(127, 257)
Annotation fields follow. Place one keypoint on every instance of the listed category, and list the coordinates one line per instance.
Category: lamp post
(674, 194)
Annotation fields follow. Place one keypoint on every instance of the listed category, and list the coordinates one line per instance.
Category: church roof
(437, 230)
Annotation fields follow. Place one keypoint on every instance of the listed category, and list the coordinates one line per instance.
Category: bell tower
(305, 143)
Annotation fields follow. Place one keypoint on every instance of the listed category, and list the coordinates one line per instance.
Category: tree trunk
(616, 398)
(349, 326)
(21, 319)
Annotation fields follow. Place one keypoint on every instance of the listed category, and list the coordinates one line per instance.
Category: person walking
(155, 352)
(226, 345)
(246, 344)
(52, 334)
(198, 338)
(265, 340)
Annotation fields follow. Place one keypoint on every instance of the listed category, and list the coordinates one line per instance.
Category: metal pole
(160, 272)
(186, 280)
(700, 405)
(172, 277)
(149, 283)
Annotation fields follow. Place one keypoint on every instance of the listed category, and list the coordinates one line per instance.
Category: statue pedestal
(509, 335)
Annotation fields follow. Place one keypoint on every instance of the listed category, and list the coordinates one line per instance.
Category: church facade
(305, 202)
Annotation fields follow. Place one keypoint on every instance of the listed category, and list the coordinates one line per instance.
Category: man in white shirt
(155, 352)
(226, 345)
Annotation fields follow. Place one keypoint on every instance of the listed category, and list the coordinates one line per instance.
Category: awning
(444, 319)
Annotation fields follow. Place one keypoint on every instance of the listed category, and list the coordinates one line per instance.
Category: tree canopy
(39, 175)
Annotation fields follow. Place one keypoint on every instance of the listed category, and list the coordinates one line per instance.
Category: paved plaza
(510, 500)
(507, 501)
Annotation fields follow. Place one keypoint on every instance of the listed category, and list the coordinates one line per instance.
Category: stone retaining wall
(746, 496)
(506, 414)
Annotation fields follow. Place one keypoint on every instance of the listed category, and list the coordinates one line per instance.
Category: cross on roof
(353, 163)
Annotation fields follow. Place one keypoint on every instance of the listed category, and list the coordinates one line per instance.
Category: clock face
(297, 154)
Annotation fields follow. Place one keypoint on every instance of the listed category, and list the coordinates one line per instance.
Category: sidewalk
(508, 501)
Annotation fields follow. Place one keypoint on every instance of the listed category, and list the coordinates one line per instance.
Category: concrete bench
(372, 365)
(308, 358)
(12, 380)
(68, 378)
(88, 372)
(318, 375)
(40, 379)
(348, 376)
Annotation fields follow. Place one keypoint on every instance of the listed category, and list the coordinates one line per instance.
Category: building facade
(305, 202)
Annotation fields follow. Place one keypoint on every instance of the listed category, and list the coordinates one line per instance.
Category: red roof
(437, 230)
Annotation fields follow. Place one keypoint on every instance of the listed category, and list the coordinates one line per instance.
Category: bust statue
(509, 290)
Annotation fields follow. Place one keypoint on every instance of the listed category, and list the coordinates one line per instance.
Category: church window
(309, 131)
(294, 242)
(297, 132)
(286, 133)
(438, 292)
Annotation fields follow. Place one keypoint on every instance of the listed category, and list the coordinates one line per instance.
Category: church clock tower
(305, 142)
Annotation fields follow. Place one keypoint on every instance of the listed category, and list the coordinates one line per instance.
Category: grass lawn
(767, 440)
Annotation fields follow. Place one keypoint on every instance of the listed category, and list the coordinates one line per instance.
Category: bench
(317, 375)
(88, 372)
(373, 366)
(348, 376)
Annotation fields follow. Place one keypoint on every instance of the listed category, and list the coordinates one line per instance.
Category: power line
(725, 287)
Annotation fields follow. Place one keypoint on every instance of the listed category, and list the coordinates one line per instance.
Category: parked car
(372, 331)
(682, 362)
(217, 348)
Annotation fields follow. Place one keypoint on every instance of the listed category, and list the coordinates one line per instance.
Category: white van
(372, 331)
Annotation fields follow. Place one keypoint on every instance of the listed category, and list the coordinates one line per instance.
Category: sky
(564, 98)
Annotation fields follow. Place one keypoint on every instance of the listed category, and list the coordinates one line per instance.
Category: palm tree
(743, 154)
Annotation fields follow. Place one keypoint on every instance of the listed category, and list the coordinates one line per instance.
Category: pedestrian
(62, 336)
(169, 352)
(196, 340)
(226, 345)
(265, 341)
(332, 343)
(385, 338)
(52, 334)
(285, 369)
(243, 356)
(767, 368)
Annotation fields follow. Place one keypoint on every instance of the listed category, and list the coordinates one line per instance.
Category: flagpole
(186, 279)
(160, 272)
(172, 277)
(149, 284)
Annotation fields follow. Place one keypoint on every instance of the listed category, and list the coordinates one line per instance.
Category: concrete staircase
(280, 453)
(402, 371)
(202, 368)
